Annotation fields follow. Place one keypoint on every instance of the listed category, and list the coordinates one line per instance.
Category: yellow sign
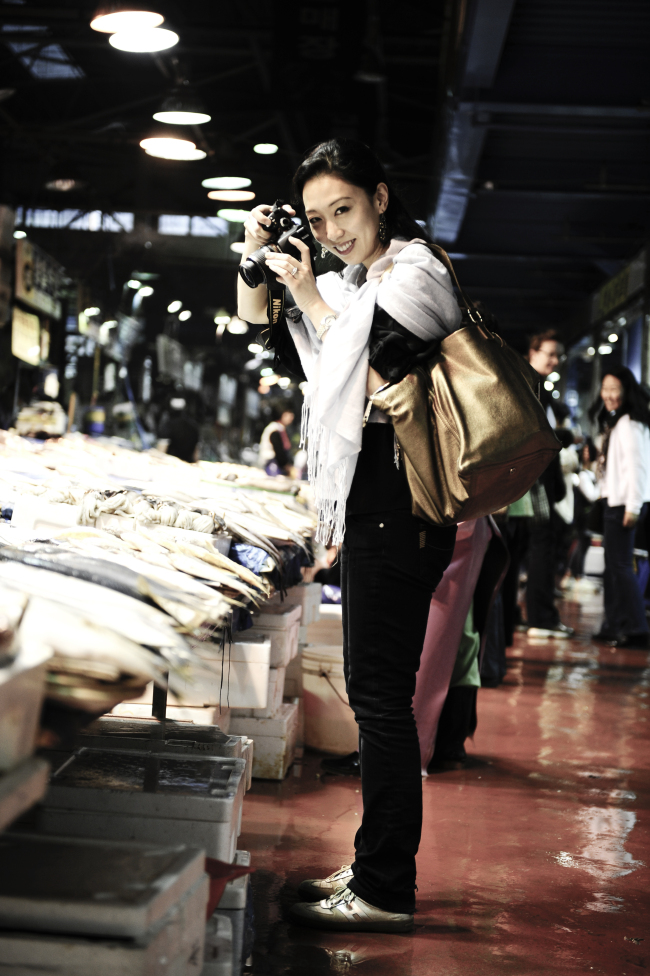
(26, 337)
(38, 278)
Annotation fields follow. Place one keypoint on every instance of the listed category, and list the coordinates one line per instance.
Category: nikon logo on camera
(276, 305)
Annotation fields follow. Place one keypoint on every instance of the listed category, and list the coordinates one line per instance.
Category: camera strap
(276, 300)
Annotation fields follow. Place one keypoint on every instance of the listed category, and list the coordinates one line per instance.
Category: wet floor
(534, 860)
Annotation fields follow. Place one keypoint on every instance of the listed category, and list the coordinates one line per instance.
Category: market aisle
(533, 861)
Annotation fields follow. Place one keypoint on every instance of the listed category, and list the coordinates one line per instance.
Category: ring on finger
(294, 271)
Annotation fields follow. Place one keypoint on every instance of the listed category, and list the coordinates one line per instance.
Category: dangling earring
(383, 229)
(323, 251)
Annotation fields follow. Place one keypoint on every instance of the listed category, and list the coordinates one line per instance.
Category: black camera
(254, 270)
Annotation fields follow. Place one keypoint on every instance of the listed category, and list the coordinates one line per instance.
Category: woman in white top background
(623, 420)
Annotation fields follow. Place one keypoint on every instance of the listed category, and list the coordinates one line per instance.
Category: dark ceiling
(519, 129)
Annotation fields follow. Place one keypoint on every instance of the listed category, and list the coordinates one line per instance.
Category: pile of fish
(138, 586)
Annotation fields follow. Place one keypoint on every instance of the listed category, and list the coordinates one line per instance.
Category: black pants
(540, 589)
(624, 603)
(390, 565)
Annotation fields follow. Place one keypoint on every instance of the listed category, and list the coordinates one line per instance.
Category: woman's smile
(344, 248)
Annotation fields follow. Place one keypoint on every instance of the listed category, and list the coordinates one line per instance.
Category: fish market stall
(149, 611)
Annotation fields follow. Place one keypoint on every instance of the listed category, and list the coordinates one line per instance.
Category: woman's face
(611, 392)
(345, 219)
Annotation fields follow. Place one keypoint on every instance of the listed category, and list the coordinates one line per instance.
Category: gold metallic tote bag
(473, 435)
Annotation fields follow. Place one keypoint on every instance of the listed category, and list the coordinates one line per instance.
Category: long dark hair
(357, 164)
(635, 401)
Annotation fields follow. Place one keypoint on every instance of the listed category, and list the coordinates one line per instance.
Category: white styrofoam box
(307, 595)
(303, 632)
(245, 676)
(274, 738)
(236, 892)
(594, 564)
(273, 700)
(115, 732)
(174, 947)
(248, 754)
(329, 721)
(31, 512)
(22, 686)
(22, 788)
(281, 623)
(232, 908)
(293, 677)
(60, 884)
(184, 713)
(218, 949)
(147, 797)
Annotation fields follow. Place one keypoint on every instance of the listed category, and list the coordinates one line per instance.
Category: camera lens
(252, 273)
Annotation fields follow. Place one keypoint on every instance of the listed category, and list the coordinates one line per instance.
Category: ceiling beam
(484, 38)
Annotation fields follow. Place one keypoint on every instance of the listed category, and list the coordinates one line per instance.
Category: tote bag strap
(466, 303)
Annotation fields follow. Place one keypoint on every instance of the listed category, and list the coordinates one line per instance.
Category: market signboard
(38, 278)
(26, 336)
(618, 289)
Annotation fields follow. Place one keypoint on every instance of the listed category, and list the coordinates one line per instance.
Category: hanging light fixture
(233, 196)
(110, 18)
(265, 148)
(169, 147)
(234, 216)
(145, 40)
(182, 108)
(226, 183)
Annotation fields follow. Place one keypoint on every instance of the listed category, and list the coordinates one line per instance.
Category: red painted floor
(535, 860)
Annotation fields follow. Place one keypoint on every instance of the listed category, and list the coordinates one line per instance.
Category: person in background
(544, 621)
(180, 431)
(621, 413)
(275, 446)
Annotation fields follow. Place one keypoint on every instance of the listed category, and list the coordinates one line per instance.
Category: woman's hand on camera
(298, 276)
(257, 224)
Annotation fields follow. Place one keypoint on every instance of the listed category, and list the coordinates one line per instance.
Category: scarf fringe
(330, 486)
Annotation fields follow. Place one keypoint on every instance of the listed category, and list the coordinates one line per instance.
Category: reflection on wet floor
(534, 859)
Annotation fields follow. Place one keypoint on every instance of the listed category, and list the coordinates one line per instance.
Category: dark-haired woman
(354, 332)
(623, 419)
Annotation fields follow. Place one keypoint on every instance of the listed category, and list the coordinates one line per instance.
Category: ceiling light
(604, 350)
(554, 377)
(182, 118)
(270, 380)
(166, 147)
(226, 183)
(555, 394)
(19, 234)
(182, 108)
(222, 316)
(237, 326)
(133, 283)
(62, 186)
(234, 196)
(622, 320)
(237, 246)
(145, 40)
(145, 291)
(284, 382)
(591, 351)
(92, 310)
(184, 316)
(265, 148)
(613, 337)
(267, 371)
(234, 216)
(174, 306)
(548, 385)
(255, 347)
(110, 18)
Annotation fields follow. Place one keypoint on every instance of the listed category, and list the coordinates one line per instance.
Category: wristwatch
(326, 323)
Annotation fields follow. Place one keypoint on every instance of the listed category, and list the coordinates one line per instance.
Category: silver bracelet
(326, 323)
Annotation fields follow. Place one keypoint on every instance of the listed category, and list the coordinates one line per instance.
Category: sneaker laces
(342, 896)
(344, 870)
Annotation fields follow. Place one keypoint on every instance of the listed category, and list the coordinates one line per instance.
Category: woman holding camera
(355, 332)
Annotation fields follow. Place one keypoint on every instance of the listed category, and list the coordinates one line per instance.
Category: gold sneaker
(346, 912)
(314, 889)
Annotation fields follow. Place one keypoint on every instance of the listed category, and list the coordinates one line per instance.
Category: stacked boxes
(72, 907)
(273, 727)
(232, 911)
(148, 796)
(306, 595)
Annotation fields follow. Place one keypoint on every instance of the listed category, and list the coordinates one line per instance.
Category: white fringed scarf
(418, 294)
